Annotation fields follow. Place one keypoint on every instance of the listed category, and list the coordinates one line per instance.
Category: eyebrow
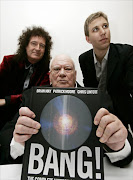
(37, 42)
(106, 23)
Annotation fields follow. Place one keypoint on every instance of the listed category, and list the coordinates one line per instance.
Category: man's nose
(62, 72)
(38, 47)
(102, 31)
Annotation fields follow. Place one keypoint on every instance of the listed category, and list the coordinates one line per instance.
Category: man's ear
(88, 39)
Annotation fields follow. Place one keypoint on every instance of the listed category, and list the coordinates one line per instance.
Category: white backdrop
(64, 20)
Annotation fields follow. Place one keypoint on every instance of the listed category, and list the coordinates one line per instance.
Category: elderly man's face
(35, 49)
(62, 72)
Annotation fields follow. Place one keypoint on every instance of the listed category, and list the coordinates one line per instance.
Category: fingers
(25, 126)
(117, 140)
(25, 111)
(21, 138)
(118, 136)
(110, 129)
(101, 112)
(107, 126)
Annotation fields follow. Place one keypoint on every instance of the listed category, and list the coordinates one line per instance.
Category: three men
(110, 129)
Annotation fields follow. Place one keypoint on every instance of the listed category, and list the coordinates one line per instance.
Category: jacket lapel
(112, 61)
(91, 70)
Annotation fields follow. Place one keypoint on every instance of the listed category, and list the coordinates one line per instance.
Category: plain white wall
(64, 20)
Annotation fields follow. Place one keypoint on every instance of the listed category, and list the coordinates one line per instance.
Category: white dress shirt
(99, 67)
(17, 149)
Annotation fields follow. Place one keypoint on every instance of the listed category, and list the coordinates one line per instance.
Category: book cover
(66, 147)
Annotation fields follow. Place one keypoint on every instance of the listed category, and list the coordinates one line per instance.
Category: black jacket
(119, 80)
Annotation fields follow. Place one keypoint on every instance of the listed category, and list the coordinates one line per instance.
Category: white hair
(64, 56)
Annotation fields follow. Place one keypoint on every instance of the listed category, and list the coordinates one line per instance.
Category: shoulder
(85, 56)
(121, 48)
(87, 53)
(8, 58)
(8, 61)
(78, 85)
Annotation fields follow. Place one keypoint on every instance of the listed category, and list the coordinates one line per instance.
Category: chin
(63, 85)
(33, 61)
(105, 46)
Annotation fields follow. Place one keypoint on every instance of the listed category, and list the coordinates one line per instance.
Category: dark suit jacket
(7, 134)
(12, 77)
(119, 78)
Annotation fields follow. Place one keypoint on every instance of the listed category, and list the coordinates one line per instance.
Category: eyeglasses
(66, 69)
(35, 44)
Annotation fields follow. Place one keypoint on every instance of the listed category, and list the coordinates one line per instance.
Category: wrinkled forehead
(62, 61)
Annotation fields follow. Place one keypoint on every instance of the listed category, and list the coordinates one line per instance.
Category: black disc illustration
(66, 122)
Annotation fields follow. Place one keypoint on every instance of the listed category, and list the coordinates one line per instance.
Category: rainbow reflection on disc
(65, 125)
(66, 122)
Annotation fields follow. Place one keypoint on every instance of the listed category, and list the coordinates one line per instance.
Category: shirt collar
(76, 85)
(28, 65)
(105, 57)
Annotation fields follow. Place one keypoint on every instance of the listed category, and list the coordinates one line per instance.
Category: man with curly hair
(28, 67)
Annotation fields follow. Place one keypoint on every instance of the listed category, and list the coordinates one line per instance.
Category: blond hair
(91, 18)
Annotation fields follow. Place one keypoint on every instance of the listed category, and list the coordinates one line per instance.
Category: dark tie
(27, 80)
(102, 82)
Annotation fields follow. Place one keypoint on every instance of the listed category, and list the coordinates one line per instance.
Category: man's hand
(25, 126)
(110, 130)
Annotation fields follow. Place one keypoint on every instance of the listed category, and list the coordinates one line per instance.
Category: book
(66, 146)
